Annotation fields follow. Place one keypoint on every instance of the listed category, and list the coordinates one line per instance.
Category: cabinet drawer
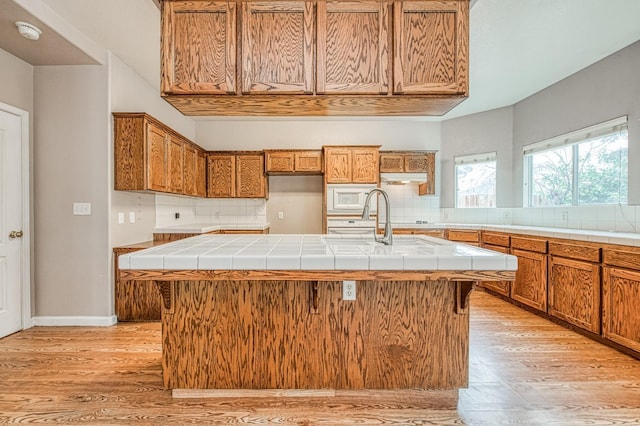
(496, 239)
(627, 258)
(463, 236)
(530, 244)
(581, 251)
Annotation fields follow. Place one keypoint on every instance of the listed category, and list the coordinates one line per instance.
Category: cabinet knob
(15, 234)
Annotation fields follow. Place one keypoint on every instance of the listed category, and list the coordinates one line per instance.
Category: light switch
(81, 209)
(132, 217)
(280, 215)
(120, 218)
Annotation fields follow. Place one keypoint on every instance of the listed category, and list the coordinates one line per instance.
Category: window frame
(485, 157)
(572, 139)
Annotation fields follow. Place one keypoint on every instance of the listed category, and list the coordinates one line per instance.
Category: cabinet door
(430, 47)
(391, 163)
(620, 301)
(280, 162)
(198, 47)
(308, 161)
(365, 165)
(251, 182)
(353, 47)
(574, 292)
(500, 287)
(176, 165)
(338, 165)
(189, 171)
(530, 285)
(201, 174)
(416, 163)
(221, 173)
(156, 158)
(277, 47)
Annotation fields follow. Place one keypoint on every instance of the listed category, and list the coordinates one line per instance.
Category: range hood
(402, 178)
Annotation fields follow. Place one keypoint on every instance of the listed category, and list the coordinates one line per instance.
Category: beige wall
(299, 198)
(129, 92)
(71, 148)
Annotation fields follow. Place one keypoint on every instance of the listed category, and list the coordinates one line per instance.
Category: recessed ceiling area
(517, 47)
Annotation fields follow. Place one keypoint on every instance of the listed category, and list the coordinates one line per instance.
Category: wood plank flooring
(523, 370)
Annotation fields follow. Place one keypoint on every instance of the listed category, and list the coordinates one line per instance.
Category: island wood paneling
(264, 335)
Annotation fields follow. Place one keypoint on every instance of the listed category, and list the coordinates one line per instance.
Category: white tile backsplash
(615, 218)
(209, 210)
(407, 206)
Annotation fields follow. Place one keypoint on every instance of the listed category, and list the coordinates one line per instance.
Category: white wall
(255, 133)
(605, 90)
(476, 134)
(71, 145)
(129, 92)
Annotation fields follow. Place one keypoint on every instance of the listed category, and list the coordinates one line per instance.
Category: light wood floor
(524, 370)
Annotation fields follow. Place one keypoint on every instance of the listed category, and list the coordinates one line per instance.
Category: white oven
(350, 225)
(348, 199)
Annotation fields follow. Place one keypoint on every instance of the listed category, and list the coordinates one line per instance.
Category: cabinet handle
(15, 234)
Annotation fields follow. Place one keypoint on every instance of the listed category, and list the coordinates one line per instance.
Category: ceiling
(517, 47)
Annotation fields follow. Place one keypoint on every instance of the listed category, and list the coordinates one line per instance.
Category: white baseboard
(74, 321)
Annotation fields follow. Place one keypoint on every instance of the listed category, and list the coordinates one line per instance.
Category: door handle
(15, 234)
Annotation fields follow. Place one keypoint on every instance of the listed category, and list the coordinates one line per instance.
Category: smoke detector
(29, 31)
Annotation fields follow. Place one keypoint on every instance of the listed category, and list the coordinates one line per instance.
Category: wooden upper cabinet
(236, 175)
(250, 178)
(351, 164)
(391, 163)
(277, 47)
(431, 44)
(199, 47)
(338, 165)
(201, 173)
(282, 162)
(221, 174)
(157, 147)
(353, 47)
(176, 165)
(365, 165)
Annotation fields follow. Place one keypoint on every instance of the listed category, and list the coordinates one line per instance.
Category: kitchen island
(268, 312)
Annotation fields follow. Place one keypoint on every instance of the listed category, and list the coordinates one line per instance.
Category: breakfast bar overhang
(267, 312)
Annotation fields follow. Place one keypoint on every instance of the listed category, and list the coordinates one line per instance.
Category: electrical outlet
(564, 216)
(280, 215)
(120, 218)
(132, 217)
(348, 290)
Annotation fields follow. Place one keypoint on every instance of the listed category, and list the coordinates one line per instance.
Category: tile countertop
(311, 252)
(203, 228)
(621, 238)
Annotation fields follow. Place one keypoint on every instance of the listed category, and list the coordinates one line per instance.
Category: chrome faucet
(388, 232)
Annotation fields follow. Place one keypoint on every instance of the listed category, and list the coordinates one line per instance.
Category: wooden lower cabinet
(500, 287)
(620, 301)
(574, 292)
(530, 285)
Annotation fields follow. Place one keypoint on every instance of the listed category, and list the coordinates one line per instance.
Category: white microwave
(348, 199)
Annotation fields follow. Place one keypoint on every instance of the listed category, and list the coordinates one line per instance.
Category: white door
(10, 223)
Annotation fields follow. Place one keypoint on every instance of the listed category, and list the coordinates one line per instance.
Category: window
(588, 166)
(476, 180)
